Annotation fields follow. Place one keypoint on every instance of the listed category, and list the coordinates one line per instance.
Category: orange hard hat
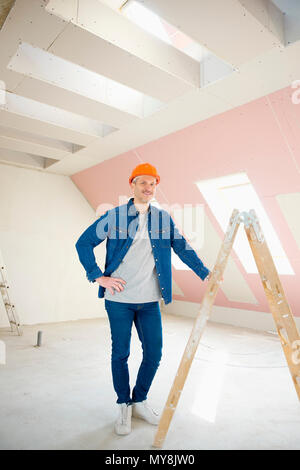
(144, 169)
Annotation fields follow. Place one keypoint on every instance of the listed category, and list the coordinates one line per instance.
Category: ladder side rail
(5, 296)
(8, 304)
(280, 309)
(198, 328)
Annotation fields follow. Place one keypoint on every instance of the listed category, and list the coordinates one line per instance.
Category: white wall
(262, 321)
(41, 217)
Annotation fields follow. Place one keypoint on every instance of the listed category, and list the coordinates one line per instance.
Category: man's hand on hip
(111, 283)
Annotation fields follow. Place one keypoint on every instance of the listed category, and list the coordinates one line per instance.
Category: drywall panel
(290, 206)
(42, 216)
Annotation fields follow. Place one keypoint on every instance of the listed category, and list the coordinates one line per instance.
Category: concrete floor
(238, 395)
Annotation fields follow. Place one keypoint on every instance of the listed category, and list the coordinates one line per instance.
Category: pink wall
(261, 138)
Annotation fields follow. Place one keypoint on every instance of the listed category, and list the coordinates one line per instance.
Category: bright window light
(176, 261)
(155, 25)
(149, 21)
(209, 387)
(236, 192)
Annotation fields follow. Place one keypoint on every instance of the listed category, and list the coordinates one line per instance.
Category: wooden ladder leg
(198, 328)
(281, 311)
(9, 306)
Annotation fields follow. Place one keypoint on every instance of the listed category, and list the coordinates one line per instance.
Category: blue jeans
(147, 320)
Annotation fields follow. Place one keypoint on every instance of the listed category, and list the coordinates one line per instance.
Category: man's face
(144, 188)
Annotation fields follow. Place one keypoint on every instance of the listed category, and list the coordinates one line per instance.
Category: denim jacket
(119, 226)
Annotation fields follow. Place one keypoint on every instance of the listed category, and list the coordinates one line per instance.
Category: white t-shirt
(138, 270)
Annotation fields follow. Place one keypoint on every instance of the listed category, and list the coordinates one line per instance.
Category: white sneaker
(123, 423)
(143, 411)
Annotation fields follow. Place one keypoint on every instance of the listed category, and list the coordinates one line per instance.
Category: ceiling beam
(22, 159)
(43, 128)
(33, 148)
(123, 51)
(5, 7)
(255, 79)
(65, 99)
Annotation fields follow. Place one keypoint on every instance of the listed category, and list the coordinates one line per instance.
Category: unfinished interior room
(149, 225)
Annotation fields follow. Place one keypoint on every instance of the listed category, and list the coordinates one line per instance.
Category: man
(137, 275)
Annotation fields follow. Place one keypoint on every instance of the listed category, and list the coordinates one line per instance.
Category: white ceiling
(82, 83)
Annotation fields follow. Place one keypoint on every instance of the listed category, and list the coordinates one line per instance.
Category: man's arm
(186, 253)
(90, 238)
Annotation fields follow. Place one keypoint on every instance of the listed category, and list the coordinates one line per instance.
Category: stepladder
(279, 307)
(8, 303)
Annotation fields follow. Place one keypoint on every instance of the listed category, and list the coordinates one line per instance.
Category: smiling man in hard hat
(137, 276)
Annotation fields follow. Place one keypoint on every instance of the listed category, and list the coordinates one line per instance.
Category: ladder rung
(10, 307)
